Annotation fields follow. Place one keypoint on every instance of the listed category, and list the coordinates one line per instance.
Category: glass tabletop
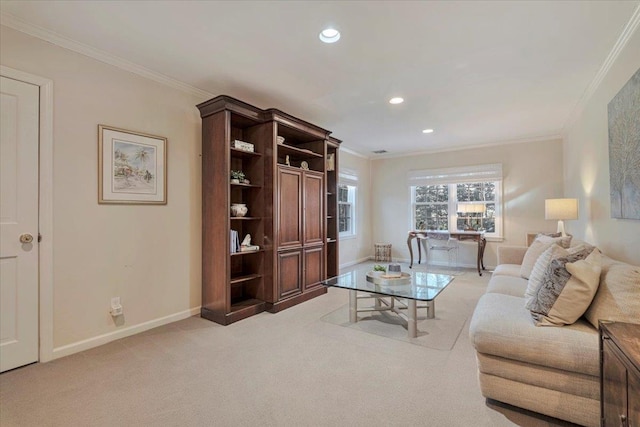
(423, 286)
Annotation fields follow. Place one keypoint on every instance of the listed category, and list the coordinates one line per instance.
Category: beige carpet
(284, 369)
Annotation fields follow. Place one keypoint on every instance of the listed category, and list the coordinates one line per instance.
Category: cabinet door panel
(289, 208)
(289, 273)
(313, 267)
(313, 208)
(613, 386)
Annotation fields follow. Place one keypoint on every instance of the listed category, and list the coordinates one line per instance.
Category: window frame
(350, 180)
(452, 177)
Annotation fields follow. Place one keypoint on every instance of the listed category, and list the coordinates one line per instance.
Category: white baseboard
(358, 261)
(89, 343)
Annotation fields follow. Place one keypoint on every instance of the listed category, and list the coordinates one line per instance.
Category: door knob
(26, 238)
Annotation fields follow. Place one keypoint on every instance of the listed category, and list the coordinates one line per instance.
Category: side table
(619, 374)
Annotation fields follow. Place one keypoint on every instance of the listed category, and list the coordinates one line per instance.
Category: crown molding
(354, 153)
(626, 34)
(18, 24)
(541, 138)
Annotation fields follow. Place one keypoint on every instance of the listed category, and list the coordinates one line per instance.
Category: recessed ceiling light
(329, 35)
(427, 131)
(396, 100)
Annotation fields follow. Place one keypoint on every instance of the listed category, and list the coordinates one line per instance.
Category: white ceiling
(477, 72)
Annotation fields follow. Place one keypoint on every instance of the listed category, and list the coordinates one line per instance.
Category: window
(347, 205)
(466, 198)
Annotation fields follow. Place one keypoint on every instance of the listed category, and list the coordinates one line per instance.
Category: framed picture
(132, 167)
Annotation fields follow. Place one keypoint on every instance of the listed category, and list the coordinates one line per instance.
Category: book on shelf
(249, 248)
(235, 242)
(242, 145)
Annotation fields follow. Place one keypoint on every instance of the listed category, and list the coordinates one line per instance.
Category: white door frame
(45, 208)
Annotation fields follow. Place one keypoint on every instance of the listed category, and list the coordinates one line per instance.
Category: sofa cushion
(541, 376)
(501, 326)
(507, 285)
(541, 244)
(618, 296)
(512, 270)
(567, 289)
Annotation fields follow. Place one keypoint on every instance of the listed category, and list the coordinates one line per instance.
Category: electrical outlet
(116, 307)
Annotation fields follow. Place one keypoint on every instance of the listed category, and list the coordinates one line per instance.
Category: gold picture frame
(132, 167)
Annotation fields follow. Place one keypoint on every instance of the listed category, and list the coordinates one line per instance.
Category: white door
(19, 109)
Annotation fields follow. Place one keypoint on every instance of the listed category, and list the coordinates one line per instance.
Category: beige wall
(147, 255)
(586, 165)
(354, 250)
(532, 173)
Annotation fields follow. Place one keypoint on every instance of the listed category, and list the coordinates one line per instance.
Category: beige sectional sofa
(552, 370)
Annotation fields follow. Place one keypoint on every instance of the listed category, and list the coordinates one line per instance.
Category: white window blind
(456, 175)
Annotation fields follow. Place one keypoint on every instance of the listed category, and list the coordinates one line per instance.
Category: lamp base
(561, 228)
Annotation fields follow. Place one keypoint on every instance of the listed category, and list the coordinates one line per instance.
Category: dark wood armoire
(291, 172)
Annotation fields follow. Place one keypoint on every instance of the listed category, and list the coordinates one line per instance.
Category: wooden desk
(477, 236)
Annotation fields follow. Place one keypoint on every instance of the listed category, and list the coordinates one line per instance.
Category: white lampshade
(466, 207)
(561, 209)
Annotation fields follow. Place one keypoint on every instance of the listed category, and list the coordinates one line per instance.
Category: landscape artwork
(132, 167)
(624, 150)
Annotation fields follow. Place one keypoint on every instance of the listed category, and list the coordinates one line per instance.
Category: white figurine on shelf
(246, 245)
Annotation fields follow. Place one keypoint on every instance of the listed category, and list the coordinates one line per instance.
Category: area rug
(440, 333)
(437, 269)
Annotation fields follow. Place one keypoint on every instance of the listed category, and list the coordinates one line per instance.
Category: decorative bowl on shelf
(239, 209)
(280, 139)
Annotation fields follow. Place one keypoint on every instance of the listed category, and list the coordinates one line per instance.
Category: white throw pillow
(541, 244)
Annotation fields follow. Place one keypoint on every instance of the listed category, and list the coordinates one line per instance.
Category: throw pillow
(539, 268)
(541, 265)
(567, 289)
(541, 244)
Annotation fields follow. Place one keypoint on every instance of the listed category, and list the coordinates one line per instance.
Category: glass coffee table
(401, 299)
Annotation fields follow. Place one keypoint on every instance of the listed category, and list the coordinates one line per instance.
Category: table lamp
(561, 209)
(471, 207)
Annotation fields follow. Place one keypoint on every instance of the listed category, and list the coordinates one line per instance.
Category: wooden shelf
(329, 216)
(245, 218)
(247, 252)
(246, 304)
(331, 240)
(245, 185)
(242, 279)
(241, 153)
(299, 153)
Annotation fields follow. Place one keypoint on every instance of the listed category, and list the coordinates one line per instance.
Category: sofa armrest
(511, 254)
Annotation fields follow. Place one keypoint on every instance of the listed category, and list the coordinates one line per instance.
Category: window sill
(347, 237)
